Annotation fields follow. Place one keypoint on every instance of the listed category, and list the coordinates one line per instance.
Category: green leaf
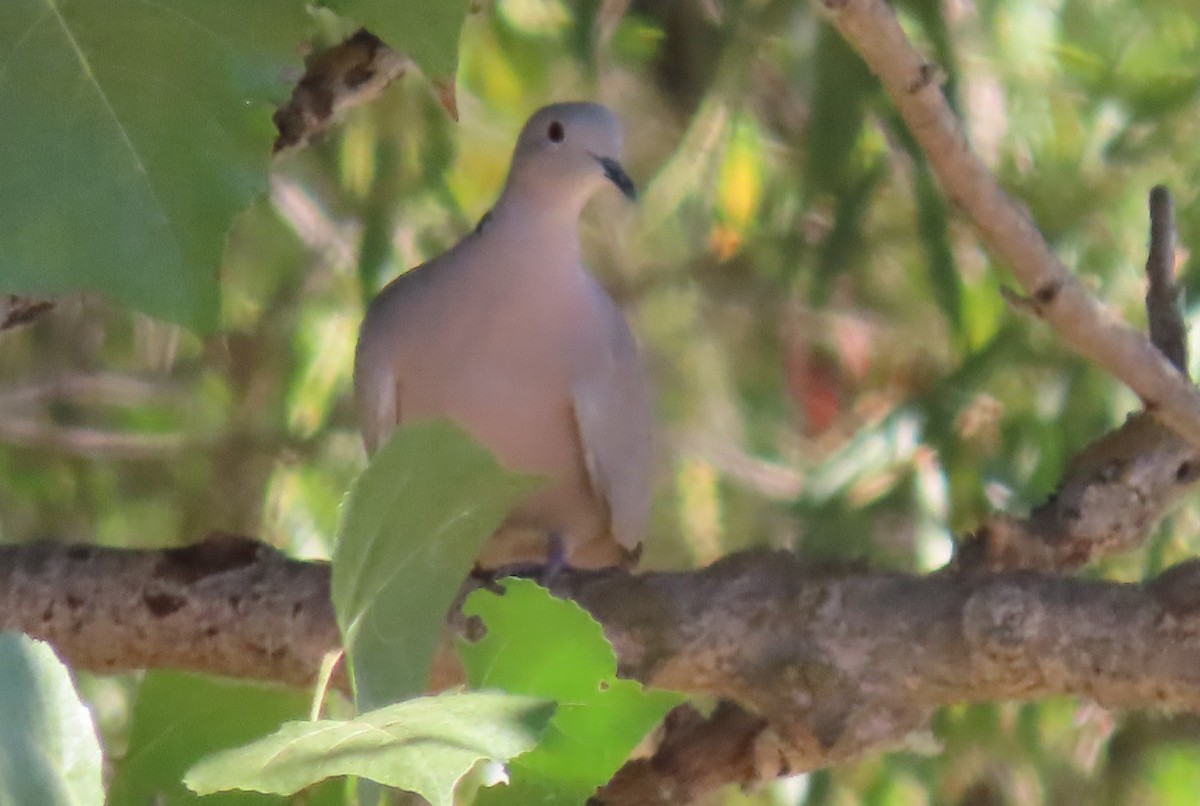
(546, 647)
(142, 129)
(48, 749)
(424, 745)
(427, 32)
(411, 528)
(180, 718)
(933, 226)
(843, 85)
(1173, 776)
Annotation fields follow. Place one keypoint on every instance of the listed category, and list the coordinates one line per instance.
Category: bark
(824, 665)
(16, 310)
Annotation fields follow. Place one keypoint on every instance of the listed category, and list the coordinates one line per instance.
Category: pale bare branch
(1055, 294)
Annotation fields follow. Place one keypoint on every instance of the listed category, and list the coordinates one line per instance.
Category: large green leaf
(424, 745)
(411, 528)
(48, 749)
(426, 31)
(133, 133)
(546, 647)
(180, 718)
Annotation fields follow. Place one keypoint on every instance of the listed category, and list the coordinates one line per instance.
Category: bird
(508, 336)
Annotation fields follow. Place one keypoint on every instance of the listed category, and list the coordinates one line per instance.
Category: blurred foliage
(837, 372)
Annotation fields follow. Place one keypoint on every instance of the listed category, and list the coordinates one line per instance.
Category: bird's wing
(388, 333)
(614, 412)
(379, 411)
(400, 326)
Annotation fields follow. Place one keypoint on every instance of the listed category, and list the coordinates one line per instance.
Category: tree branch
(695, 755)
(346, 75)
(1163, 295)
(1116, 490)
(838, 664)
(227, 606)
(1113, 494)
(17, 310)
(1055, 295)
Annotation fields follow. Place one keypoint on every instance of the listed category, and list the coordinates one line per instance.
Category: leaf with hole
(541, 646)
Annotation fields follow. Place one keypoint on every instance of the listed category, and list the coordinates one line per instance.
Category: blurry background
(837, 372)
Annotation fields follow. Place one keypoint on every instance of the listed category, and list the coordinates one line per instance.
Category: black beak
(614, 173)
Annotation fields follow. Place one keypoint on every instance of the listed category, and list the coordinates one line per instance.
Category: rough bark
(824, 665)
(1164, 308)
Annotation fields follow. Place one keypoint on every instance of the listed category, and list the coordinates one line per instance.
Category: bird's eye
(556, 133)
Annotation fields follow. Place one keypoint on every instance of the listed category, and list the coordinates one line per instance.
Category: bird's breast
(505, 372)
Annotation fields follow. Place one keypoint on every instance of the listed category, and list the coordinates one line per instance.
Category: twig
(1113, 494)
(336, 79)
(1116, 490)
(41, 435)
(1163, 294)
(107, 388)
(1085, 324)
(17, 310)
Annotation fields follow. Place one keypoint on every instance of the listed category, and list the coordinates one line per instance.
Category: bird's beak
(614, 173)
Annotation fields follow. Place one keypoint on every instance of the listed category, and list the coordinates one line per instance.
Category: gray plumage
(507, 335)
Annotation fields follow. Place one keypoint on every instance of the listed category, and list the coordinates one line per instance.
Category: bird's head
(566, 152)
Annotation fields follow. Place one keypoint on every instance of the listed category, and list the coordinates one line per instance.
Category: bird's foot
(544, 573)
(556, 561)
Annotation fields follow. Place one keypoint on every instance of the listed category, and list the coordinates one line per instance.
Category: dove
(508, 336)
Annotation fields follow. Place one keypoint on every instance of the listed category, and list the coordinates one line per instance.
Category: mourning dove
(508, 336)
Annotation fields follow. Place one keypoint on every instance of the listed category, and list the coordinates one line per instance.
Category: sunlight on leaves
(48, 749)
(541, 646)
(1173, 776)
(424, 745)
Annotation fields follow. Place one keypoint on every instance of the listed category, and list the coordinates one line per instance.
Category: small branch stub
(1164, 297)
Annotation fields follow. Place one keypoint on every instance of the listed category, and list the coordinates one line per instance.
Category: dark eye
(556, 132)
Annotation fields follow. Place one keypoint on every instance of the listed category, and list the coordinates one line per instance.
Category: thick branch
(1056, 295)
(841, 664)
(227, 606)
(1113, 494)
